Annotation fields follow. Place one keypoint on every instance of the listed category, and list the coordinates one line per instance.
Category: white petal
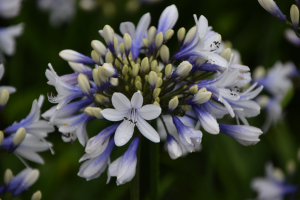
(147, 130)
(149, 112)
(30, 155)
(113, 114)
(137, 100)
(1, 70)
(202, 26)
(114, 167)
(120, 102)
(124, 132)
(8, 88)
(128, 27)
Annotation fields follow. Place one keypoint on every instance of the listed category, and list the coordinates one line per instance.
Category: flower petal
(149, 112)
(120, 102)
(124, 132)
(114, 167)
(127, 27)
(147, 130)
(137, 100)
(113, 114)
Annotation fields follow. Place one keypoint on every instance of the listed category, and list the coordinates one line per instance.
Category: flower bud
(125, 70)
(153, 65)
(157, 98)
(278, 174)
(108, 34)
(173, 103)
(168, 70)
(272, 8)
(259, 72)
(138, 85)
(185, 107)
(127, 43)
(1, 137)
(122, 48)
(17, 139)
(135, 70)
(173, 147)
(77, 67)
(84, 84)
(115, 44)
(114, 81)
(156, 92)
(8, 176)
(98, 47)
(138, 78)
(138, 61)
(95, 56)
(146, 42)
(295, 17)
(200, 61)
(37, 195)
(159, 82)
(202, 96)
(145, 65)
(183, 69)
(263, 101)
(159, 40)
(151, 35)
(180, 34)
(189, 36)
(101, 99)
(226, 53)
(108, 70)
(89, 111)
(164, 54)
(97, 112)
(118, 64)
(160, 75)
(291, 167)
(4, 96)
(109, 57)
(147, 78)
(73, 56)
(169, 33)
(194, 89)
(152, 79)
(156, 103)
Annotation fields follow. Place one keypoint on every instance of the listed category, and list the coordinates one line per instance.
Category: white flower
(9, 8)
(7, 38)
(133, 114)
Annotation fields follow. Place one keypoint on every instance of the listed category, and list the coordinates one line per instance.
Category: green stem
(135, 183)
(154, 170)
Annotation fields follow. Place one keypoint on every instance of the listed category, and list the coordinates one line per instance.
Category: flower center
(131, 116)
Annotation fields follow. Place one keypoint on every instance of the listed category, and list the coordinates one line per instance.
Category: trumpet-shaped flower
(132, 113)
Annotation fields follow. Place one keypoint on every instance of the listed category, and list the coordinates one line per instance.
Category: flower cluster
(277, 83)
(134, 79)
(25, 139)
(9, 9)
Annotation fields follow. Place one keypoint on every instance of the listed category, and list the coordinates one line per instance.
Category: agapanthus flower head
(134, 81)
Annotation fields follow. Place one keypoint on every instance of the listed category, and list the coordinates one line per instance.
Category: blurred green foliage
(222, 170)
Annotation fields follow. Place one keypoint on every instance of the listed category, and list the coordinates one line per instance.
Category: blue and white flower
(132, 113)
(291, 36)
(271, 7)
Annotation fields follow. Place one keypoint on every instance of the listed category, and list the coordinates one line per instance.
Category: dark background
(222, 170)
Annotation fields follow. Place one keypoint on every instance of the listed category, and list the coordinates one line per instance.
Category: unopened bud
(4, 96)
(263, 101)
(146, 42)
(122, 48)
(152, 79)
(173, 103)
(157, 99)
(89, 111)
(98, 47)
(114, 81)
(37, 195)
(200, 61)
(189, 36)
(159, 82)
(31, 177)
(138, 85)
(156, 92)
(194, 89)
(159, 40)
(138, 78)
(226, 53)
(164, 54)
(147, 78)
(278, 174)
(160, 75)
(183, 69)
(95, 56)
(156, 103)
(202, 96)
(108, 70)
(84, 83)
(145, 64)
(108, 34)
(151, 35)
(118, 64)
(135, 70)
(1, 137)
(180, 34)
(125, 70)
(115, 43)
(185, 107)
(19, 136)
(127, 43)
(169, 33)
(291, 167)
(101, 99)
(259, 72)
(8, 176)
(168, 70)
(153, 65)
(97, 112)
(295, 17)
(109, 57)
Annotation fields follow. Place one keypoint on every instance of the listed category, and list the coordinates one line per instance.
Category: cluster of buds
(24, 139)
(137, 78)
